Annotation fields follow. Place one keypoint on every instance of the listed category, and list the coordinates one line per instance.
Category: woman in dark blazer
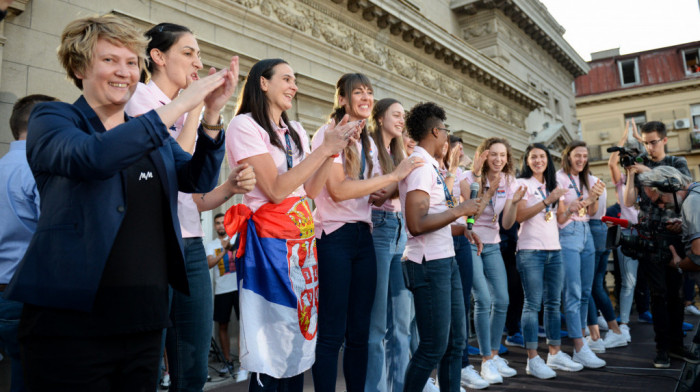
(95, 276)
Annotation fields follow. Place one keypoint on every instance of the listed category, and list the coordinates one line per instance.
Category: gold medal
(582, 212)
(548, 216)
(495, 218)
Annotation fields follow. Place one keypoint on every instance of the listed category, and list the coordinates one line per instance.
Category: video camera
(628, 156)
(649, 239)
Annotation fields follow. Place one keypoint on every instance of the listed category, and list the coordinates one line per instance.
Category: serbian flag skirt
(277, 286)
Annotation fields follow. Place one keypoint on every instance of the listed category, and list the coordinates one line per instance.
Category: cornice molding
(534, 19)
(637, 93)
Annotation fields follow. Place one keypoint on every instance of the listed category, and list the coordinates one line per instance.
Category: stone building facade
(498, 67)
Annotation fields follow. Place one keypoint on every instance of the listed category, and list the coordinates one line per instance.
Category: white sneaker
(536, 367)
(562, 361)
(625, 329)
(242, 375)
(165, 381)
(602, 324)
(613, 340)
(223, 371)
(430, 386)
(490, 373)
(472, 380)
(587, 358)
(503, 368)
(597, 346)
(692, 310)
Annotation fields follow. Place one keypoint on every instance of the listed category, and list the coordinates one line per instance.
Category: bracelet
(476, 175)
(217, 127)
(335, 155)
(545, 204)
(448, 175)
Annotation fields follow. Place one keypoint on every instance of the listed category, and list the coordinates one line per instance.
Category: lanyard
(448, 196)
(363, 164)
(287, 141)
(578, 192)
(539, 189)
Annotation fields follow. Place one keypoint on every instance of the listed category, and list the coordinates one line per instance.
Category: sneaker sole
(662, 365)
(472, 386)
(563, 368)
(529, 373)
(616, 345)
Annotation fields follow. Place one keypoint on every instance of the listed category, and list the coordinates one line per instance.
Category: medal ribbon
(448, 196)
(288, 150)
(578, 192)
(539, 189)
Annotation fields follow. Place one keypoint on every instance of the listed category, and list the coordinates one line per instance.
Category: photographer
(659, 228)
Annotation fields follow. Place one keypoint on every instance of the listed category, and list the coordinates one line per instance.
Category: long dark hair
(161, 36)
(343, 88)
(386, 161)
(254, 101)
(550, 173)
(566, 164)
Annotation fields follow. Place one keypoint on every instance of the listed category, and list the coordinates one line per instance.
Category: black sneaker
(662, 361)
(684, 354)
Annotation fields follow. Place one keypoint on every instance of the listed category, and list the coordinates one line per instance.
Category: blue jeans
(628, 275)
(189, 337)
(599, 300)
(389, 348)
(578, 253)
(439, 303)
(490, 290)
(463, 256)
(10, 312)
(542, 276)
(347, 279)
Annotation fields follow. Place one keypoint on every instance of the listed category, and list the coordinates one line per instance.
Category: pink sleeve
(521, 181)
(511, 186)
(318, 140)
(141, 102)
(244, 139)
(421, 178)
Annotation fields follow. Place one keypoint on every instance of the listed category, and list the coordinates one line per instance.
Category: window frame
(636, 72)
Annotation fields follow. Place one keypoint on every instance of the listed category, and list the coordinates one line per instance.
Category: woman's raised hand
(216, 99)
(337, 136)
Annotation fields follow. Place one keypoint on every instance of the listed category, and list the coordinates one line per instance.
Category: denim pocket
(414, 275)
(378, 220)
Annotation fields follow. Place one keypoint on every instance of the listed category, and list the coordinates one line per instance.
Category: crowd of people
(371, 238)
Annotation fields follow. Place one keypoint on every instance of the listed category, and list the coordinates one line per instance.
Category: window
(557, 108)
(691, 60)
(695, 114)
(629, 72)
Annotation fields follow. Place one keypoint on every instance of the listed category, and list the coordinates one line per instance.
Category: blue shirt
(19, 208)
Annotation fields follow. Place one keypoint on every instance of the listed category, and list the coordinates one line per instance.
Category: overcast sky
(631, 25)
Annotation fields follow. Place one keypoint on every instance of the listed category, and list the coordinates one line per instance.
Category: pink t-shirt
(564, 182)
(629, 213)
(390, 205)
(485, 226)
(146, 98)
(245, 138)
(329, 215)
(536, 233)
(437, 244)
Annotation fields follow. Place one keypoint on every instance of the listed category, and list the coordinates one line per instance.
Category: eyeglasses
(652, 142)
(444, 129)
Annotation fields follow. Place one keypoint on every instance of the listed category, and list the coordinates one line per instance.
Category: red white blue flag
(278, 286)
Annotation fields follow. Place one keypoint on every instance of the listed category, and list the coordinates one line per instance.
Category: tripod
(219, 355)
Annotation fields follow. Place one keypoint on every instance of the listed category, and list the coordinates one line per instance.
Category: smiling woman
(95, 277)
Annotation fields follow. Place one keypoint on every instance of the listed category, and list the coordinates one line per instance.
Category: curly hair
(508, 168)
(423, 117)
(79, 38)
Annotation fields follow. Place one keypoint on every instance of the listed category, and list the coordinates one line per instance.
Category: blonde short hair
(80, 36)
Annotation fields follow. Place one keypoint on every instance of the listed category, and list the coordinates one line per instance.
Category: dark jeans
(347, 280)
(600, 299)
(463, 256)
(666, 303)
(439, 302)
(515, 288)
(689, 284)
(10, 312)
(126, 362)
(641, 292)
(189, 337)
(271, 384)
